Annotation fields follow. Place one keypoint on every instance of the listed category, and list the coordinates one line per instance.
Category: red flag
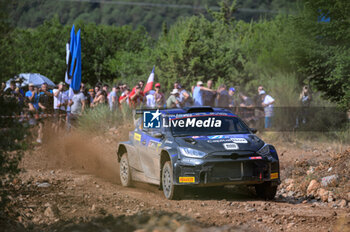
(150, 81)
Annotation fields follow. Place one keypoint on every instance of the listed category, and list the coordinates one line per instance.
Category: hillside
(150, 14)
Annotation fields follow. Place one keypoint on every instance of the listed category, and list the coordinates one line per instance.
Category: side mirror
(158, 135)
(253, 130)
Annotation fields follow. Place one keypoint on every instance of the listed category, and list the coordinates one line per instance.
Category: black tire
(171, 191)
(125, 171)
(266, 190)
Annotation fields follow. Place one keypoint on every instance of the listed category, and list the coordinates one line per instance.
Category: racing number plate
(186, 179)
(274, 175)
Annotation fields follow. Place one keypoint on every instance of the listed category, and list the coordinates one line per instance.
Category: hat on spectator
(233, 89)
(261, 92)
(61, 83)
(199, 83)
(157, 85)
(31, 84)
(175, 91)
(91, 90)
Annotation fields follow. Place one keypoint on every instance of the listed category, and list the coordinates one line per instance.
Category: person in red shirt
(137, 97)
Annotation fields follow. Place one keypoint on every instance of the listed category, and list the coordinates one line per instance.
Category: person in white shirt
(60, 99)
(267, 103)
(151, 100)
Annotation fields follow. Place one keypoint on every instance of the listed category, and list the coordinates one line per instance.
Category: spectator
(176, 85)
(247, 109)
(209, 96)
(141, 84)
(45, 107)
(59, 103)
(223, 98)
(173, 100)
(77, 104)
(124, 98)
(32, 98)
(198, 93)
(267, 103)
(150, 99)
(90, 97)
(257, 98)
(159, 97)
(97, 89)
(231, 93)
(100, 98)
(113, 98)
(106, 89)
(185, 98)
(305, 99)
(136, 98)
(3, 86)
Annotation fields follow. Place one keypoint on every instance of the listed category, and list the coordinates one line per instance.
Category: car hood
(214, 143)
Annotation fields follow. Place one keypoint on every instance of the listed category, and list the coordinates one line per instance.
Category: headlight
(264, 151)
(192, 153)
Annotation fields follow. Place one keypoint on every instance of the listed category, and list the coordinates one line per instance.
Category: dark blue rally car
(197, 146)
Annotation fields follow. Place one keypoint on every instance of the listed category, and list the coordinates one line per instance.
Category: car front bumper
(225, 172)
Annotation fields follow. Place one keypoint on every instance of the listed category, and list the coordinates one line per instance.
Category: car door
(134, 151)
(150, 154)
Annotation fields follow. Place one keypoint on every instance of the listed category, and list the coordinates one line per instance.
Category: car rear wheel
(171, 191)
(266, 190)
(125, 172)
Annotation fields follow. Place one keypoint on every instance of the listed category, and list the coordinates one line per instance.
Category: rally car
(213, 147)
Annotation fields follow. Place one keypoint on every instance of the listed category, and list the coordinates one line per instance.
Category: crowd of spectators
(64, 104)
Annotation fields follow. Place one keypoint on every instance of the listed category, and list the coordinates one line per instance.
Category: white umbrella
(34, 78)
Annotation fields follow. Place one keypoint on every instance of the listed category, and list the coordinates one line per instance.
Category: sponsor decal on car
(274, 175)
(239, 140)
(186, 179)
(231, 146)
(137, 137)
(219, 140)
(255, 157)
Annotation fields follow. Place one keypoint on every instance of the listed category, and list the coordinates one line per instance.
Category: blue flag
(71, 50)
(76, 62)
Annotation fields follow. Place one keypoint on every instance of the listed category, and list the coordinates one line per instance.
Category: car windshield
(207, 125)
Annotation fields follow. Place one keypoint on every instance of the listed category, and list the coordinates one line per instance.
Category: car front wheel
(125, 172)
(266, 190)
(171, 191)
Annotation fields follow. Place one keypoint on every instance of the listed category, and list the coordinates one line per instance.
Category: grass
(100, 119)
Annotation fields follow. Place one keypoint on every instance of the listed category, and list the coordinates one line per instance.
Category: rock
(312, 188)
(311, 170)
(43, 185)
(289, 181)
(343, 203)
(348, 196)
(331, 196)
(323, 194)
(290, 187)
(290, 225)
(51, 212)
(330, 180)
(184, 228)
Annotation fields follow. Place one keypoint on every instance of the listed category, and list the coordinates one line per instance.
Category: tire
(171, 191)
(125, 171)
(266, 190)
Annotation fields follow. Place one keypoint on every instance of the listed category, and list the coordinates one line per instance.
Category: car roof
(197, 110)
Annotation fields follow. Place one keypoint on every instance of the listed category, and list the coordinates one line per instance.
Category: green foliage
(12, 144)
(282, 53)
(32, 13)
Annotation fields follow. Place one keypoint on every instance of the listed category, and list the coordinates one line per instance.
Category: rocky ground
(71, 184)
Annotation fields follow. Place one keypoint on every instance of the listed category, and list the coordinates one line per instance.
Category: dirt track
(83, 183)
